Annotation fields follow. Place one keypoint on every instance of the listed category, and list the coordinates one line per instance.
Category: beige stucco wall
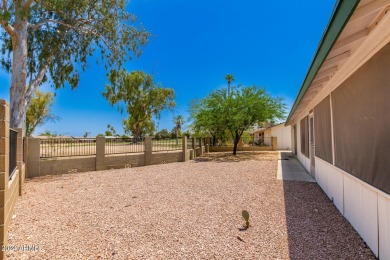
(65, 165)
(119, 161)
(188, 155)
(88, 163)
(167, 157)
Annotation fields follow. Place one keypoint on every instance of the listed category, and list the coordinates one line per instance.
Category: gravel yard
(188, 210)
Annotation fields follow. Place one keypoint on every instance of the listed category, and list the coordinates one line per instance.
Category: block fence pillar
(19, 159)
(184, 147)
(207, 145)
(194, 147)
(274, 141)
(100, 153)
(200, 146)
(33, 157)
(148, 150)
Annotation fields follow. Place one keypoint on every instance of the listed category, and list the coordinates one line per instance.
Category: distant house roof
(264, 128)
(257, 130)
(341, 14)
(47, 137)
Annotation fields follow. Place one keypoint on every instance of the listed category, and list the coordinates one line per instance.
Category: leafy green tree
(140, 96)
(175, 134)
(39, 111)
(49, 134)
(187, 133)
(208, 117)
(147, 128)
(247, 106)
(52, 40)
(163, 133)
(242, 109)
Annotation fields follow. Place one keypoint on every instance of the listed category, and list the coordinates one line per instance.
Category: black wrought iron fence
(166, 144)
(124, 145)
(189, 143)
(197, 144)
(13, 137)
(24, 149)
(221, 143)
(66, 147)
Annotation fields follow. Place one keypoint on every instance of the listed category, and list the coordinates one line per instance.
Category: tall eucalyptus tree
(51, 40)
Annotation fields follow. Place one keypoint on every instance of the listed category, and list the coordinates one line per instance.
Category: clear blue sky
(194, 45)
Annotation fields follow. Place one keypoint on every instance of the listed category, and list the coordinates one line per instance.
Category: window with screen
(361, 119)
(304, 130)
(323, 131)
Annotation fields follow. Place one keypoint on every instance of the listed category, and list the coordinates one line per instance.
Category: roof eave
(342, 12)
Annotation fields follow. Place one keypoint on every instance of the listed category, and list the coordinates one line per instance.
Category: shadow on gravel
(239, 157)
(52, 178)
(315, 228)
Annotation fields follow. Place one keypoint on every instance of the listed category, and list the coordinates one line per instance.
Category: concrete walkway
(290, 169)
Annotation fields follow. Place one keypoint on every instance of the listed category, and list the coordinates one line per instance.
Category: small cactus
(245, 215)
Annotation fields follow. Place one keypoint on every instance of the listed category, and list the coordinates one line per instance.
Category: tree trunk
(235, 147)
(136, 133)
(236, 139)
(19, 74)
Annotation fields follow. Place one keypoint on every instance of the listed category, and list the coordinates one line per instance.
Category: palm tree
(229, 78)
(178, 121)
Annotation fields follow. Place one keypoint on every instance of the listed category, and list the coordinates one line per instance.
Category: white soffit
(359, 28)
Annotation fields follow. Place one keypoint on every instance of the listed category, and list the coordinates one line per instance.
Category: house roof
(257, 130)
(341, 14)
(264, 128)
(52, 137)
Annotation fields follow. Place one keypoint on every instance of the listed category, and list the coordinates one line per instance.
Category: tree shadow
(239, 157)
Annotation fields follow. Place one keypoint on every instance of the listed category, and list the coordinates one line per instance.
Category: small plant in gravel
(245, 215)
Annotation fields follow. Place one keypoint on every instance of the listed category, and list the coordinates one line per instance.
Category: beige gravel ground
(186, 210)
